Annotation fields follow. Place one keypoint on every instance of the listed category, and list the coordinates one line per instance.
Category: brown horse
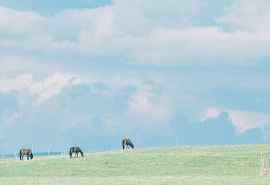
(126, 143)
(76, 150)
(26, 152)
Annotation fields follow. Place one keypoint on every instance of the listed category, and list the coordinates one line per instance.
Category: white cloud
(147, 39)
(52, 86)
(146, 105)
(242, 120)
(49, 85)
(143, 34)
(248, 15)
(19, 83)
(211, 113)
(42, 90)
(15, 65)
(245, 120)
(18, 22)
(144, 17)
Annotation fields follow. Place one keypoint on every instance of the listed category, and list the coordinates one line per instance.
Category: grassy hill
(215, 165)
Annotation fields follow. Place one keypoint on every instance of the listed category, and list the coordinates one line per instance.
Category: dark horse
(76, 150)
(126, 143)
(26, 152)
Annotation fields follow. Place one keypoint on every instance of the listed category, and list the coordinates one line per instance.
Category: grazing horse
(76, 150)
(26, 152)
(126, 143)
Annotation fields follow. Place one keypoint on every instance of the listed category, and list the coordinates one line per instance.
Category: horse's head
(130, 144)
(31, 155)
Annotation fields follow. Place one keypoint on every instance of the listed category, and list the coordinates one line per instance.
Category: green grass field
(215, 165)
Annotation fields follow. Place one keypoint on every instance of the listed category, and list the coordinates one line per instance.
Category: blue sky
(90, 72)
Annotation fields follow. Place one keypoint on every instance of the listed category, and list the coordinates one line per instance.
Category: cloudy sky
(165, 73)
